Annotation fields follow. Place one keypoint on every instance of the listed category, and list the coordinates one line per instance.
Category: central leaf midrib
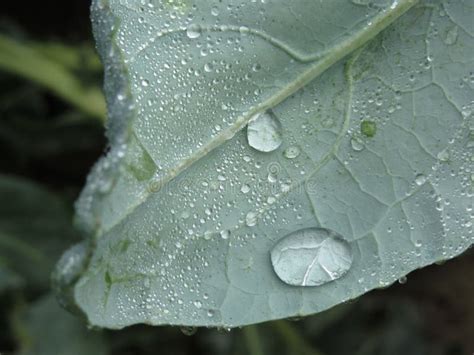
(338, 52)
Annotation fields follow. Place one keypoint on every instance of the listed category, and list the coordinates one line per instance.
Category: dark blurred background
(51, 132)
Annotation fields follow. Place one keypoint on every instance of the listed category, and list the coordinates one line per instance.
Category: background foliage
(51, 131)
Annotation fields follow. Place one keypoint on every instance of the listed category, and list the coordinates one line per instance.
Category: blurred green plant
(56, 67)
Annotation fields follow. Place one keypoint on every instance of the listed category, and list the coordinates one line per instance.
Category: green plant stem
(252, 340)
(16, 323)
(31, 64)
(294, 341)
(71, 57)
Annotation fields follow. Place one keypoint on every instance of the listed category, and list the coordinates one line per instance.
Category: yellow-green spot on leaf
(177, 5)
(368, 128)
(143, 169)
(139, 163)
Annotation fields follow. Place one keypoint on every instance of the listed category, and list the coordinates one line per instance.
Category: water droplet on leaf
(311, 257)
(357, 144)
(245, 188)
(402, 280)
(264, 132)
(193, 31)
(215, 11)
(251, 219)
(188, 330)
(271, 200)
(291, 152)
(443, 155)
(420, 179)
(208, 235)
(225, 234)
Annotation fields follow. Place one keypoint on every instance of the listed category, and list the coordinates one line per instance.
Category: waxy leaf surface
(360, 125)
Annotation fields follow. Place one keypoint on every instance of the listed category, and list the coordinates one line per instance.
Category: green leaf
(46, 329)
(188, 204)
(8, 279)
(35, 227)
(51, 68)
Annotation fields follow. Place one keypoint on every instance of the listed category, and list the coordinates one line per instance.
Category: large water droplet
(311, 257)
(264, 132)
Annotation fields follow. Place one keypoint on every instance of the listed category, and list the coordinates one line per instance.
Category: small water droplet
(256, 67)
(291, 152)
(215, 11)
(245, 188)
(244, 29)
(193, 31)
(272, 177)
(357, 144)
(251, 219)
(188, 330)
(208, 67)
(264, 132)
(285, 187)
(402, 280)
(443, 155)
(271, 200)
(147, 282)
(197, 304)
(225, 234)
(420, 179)
(311, 257)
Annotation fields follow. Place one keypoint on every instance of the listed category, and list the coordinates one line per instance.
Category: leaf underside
(374, 103)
